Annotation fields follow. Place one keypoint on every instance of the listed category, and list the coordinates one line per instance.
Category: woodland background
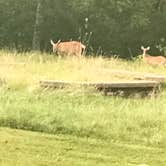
(107, 27)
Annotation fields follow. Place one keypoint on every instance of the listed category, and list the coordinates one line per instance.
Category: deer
(68, 48)
(153, 60)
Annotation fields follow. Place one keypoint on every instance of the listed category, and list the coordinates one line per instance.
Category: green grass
(122, 131)
(19, 148)
(140, 121)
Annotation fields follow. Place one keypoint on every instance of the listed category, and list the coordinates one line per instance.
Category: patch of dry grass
(26, 69)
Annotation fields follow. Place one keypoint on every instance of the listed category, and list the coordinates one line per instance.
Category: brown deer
(68, 48)
(153, 60)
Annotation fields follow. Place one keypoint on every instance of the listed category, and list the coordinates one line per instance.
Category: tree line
(107, 27)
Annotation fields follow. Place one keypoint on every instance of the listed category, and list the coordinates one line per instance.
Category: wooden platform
(127, 87)
(122, 74)
(158, 78)
(126, 84)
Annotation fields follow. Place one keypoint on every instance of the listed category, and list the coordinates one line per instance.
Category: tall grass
(118, 119)
(78, 111)
(45, 66)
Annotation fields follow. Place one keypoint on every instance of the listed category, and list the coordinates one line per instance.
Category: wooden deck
(158, 78)
(138, 75)
(126, 84)
(108, 87)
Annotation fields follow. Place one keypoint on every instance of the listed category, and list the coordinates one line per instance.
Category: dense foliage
(107, 26)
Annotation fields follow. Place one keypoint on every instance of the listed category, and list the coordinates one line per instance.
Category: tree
(37, 26)
(117, 26)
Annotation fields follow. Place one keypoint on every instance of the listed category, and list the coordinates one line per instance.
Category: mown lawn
(22, 148)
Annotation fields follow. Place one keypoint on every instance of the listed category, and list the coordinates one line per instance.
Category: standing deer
(153, 60)
(68, 48)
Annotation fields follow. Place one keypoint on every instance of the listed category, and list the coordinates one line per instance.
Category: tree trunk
(36, 34)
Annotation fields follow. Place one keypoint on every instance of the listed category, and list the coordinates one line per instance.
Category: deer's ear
(52, 42)
(142, 48)
(59, 41)
(148, 48)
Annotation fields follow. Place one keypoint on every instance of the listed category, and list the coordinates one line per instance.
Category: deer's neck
(144, 54)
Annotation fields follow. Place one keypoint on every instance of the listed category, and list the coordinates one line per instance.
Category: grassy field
(45, 66)
(136, 125)
(140, 121)
(20, 148)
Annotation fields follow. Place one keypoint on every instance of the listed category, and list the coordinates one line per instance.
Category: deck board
(125, 88)
(123, 84)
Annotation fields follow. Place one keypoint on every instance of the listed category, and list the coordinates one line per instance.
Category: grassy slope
(77, 113)
(89, 115)
(19, 148)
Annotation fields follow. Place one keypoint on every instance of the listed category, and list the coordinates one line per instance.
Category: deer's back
(69, 48)
(155, 60)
